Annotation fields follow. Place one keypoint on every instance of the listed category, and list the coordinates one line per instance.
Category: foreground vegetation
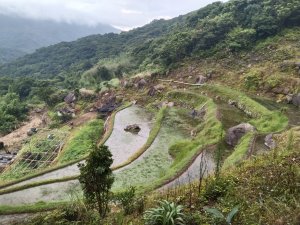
(262, 190)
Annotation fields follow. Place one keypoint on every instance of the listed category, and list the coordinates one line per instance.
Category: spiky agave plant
(168, 213)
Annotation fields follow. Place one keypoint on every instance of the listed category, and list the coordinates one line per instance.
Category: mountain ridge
(26, 35)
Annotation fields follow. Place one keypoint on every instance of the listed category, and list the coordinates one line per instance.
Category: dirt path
(83, 119)
(14, 139)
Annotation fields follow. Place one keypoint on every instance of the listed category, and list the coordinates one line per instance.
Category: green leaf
(215, 212)
(232, 214)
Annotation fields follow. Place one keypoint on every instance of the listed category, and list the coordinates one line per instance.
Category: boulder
(152, 91)
(32, 131)
(135, 129)
(270, 142)
(201, 79)
(70, 98)
(108, 106)
(234, 134)
(296, 99)
(141, 84)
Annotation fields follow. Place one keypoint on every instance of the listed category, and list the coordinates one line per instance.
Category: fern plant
(168, 213)
(219, 215)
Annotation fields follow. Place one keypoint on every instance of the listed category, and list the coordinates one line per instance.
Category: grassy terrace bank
(103, 139)
(207, 133)
(264, 120)
(80, 143)
(38, 207)
(240, 151)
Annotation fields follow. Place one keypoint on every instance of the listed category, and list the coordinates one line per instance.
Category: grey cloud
(120, 13)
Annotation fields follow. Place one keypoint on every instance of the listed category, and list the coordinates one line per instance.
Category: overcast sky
(123, 14)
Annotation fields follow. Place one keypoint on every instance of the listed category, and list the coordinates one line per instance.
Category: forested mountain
(20, 36)
(193, 120)
(218, 27)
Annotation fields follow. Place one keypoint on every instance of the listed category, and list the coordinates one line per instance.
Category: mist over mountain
(20, 36)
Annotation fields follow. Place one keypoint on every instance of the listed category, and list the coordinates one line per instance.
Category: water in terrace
(122, 144)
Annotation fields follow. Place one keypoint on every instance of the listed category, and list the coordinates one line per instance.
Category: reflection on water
(204, 164)
(122, 145)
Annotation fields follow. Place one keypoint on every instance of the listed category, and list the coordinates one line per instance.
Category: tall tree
(96, 178)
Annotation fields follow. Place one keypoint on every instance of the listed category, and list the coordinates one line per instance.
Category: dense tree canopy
(230, 26)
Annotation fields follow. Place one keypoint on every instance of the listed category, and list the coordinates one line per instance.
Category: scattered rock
(218, 97)
(270, 142)
(201, 79)
(141, 84)
(289, 99)
(232, 102)
(50, 137)
(234, 134)
(209, 75)
(170, 104)
(70, 98)
(152, 91)
(198, 113)
(277, 90)
(296, 99)
(38, 110)
(32, 131)
(135, 129)
(160, 87)
(66, 111)
(297, 64)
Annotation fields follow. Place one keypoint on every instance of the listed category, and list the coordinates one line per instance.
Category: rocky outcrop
(135, 129)
(234, 134)
(270, 142)
(296, 100)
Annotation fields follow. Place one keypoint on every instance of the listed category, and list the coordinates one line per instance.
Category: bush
(127, 200)
(166, 214)
(216, 188)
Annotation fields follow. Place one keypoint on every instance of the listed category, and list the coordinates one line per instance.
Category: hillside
(188, 121)
(20, 36)
(219, 27)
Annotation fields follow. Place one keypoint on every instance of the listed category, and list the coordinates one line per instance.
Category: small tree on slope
(96, 178)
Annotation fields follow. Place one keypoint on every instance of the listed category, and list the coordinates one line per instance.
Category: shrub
(216, 188)
(127, 200)
(166, 214)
